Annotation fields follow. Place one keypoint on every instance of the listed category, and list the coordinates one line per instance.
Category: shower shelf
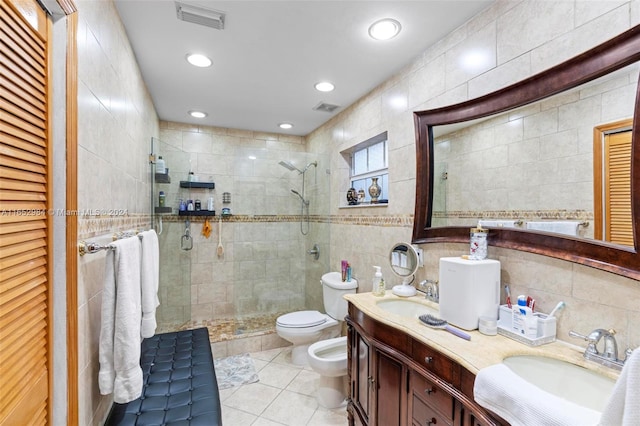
(197, 213)
(197, 185)
(162, 178)
(163, 210)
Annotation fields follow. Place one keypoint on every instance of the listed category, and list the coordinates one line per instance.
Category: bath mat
(235, 370)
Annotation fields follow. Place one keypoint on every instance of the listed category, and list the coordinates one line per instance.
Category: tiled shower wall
(522, 38)
(264, 266)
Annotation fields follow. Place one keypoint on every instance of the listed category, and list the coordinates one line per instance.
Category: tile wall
(115, 115)
(555, 31)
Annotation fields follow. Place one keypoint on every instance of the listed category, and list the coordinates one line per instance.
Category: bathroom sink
(563, 379)
(405, 308)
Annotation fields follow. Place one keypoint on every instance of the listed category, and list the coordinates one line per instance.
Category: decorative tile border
(582, 215)
(94, 226)
(360, 220)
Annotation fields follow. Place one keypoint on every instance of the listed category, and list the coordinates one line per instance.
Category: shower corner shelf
(197, 213)
(198, 185)
(162, 178)
(163, 210)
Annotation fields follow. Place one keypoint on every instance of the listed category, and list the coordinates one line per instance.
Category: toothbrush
(508, 292)
(435, 322)
(559, 306)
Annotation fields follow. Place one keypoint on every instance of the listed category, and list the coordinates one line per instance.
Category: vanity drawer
(424, 415)
(437, 363)
(429, 393)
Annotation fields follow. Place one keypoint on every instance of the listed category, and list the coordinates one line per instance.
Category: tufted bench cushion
(180, 386)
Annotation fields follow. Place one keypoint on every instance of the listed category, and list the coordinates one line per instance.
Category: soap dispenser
(379, 287)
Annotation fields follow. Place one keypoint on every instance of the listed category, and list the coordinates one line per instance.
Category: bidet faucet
(609, 355)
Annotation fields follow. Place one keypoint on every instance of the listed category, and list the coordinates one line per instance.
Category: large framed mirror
(535, 154)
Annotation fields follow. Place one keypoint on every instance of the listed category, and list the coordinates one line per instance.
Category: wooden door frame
(599, 132)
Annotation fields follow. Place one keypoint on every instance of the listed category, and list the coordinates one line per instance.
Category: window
(370, 159)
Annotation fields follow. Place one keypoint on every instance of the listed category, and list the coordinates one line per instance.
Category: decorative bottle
(374, 190)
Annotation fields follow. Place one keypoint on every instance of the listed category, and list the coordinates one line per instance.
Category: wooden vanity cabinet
(396, 380)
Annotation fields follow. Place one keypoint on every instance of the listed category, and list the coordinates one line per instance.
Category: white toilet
(329, 359)
(303, 328)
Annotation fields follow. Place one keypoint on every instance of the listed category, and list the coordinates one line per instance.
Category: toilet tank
(469, 289)
(333, 288)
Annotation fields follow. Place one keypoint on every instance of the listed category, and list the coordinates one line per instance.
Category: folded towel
(567, 227)
(149, 278)
(623, 407)
(499, 389)
(119, 347)
(498, 223)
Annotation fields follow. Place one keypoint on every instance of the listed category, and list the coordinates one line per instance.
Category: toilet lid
(301, 319)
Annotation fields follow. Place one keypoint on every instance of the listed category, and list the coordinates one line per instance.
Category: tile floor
(284, 395)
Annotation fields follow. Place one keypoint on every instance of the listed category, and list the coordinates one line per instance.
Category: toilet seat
(301, 319)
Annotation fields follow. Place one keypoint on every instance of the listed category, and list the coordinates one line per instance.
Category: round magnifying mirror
(404, 263)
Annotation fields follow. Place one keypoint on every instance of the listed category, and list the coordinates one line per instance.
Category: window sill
(364, 206)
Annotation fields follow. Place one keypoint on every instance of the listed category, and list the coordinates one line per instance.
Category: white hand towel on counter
(150, 275)
(567, 227)
(119, 351)
(623, 407)
(499, 389)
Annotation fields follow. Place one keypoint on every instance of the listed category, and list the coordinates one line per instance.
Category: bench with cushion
(180, 386)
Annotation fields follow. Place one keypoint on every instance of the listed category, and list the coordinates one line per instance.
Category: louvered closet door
(618, 223)
(24, 267)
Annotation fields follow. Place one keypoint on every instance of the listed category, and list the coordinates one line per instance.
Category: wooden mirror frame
(610, 56)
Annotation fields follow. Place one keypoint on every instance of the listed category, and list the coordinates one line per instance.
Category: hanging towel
(567, 227)
(499, 389)
(623, 407)
(119, 350)
(149, 278)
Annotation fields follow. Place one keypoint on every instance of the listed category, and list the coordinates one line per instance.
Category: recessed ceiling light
(198, 60)
(285, 125)
(384, 29)
(198, 114)
(324, 86)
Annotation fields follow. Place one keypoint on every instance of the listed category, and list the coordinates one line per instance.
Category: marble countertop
(482, 350)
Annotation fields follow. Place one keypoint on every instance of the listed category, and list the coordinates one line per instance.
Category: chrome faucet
(609, 356)
(430, 288)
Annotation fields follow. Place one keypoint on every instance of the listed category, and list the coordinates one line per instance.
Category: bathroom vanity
(398, 380)
(404, 373)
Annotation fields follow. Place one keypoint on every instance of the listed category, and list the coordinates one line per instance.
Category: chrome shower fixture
(306, 203)
(291, 167)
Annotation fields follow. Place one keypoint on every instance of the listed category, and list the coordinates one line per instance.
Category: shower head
(301, 197)
(289, 166)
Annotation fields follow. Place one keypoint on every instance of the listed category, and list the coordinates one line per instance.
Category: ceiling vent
(325, 107)
(201, 16)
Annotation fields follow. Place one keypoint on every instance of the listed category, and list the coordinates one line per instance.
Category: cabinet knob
(433, 421)
(371, 380)
(428, 359)
(430, 391)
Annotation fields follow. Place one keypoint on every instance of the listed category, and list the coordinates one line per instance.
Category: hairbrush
(435, 322)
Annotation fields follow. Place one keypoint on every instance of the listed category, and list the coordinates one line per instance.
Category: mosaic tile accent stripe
(360, 220)
(94, 226)
(517, 214)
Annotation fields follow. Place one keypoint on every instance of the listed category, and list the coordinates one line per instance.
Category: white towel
(150, 273)
(623, 407)
(498, 223)
(566, 227)
(119, 351)
(499, 389)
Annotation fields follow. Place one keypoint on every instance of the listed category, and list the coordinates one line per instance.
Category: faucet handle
(591, 338)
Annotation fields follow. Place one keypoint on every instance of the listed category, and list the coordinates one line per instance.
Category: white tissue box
(546, 328)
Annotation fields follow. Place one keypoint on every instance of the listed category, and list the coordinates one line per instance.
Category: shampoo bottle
(378, 283)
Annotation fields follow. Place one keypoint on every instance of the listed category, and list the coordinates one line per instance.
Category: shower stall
(279, 211)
